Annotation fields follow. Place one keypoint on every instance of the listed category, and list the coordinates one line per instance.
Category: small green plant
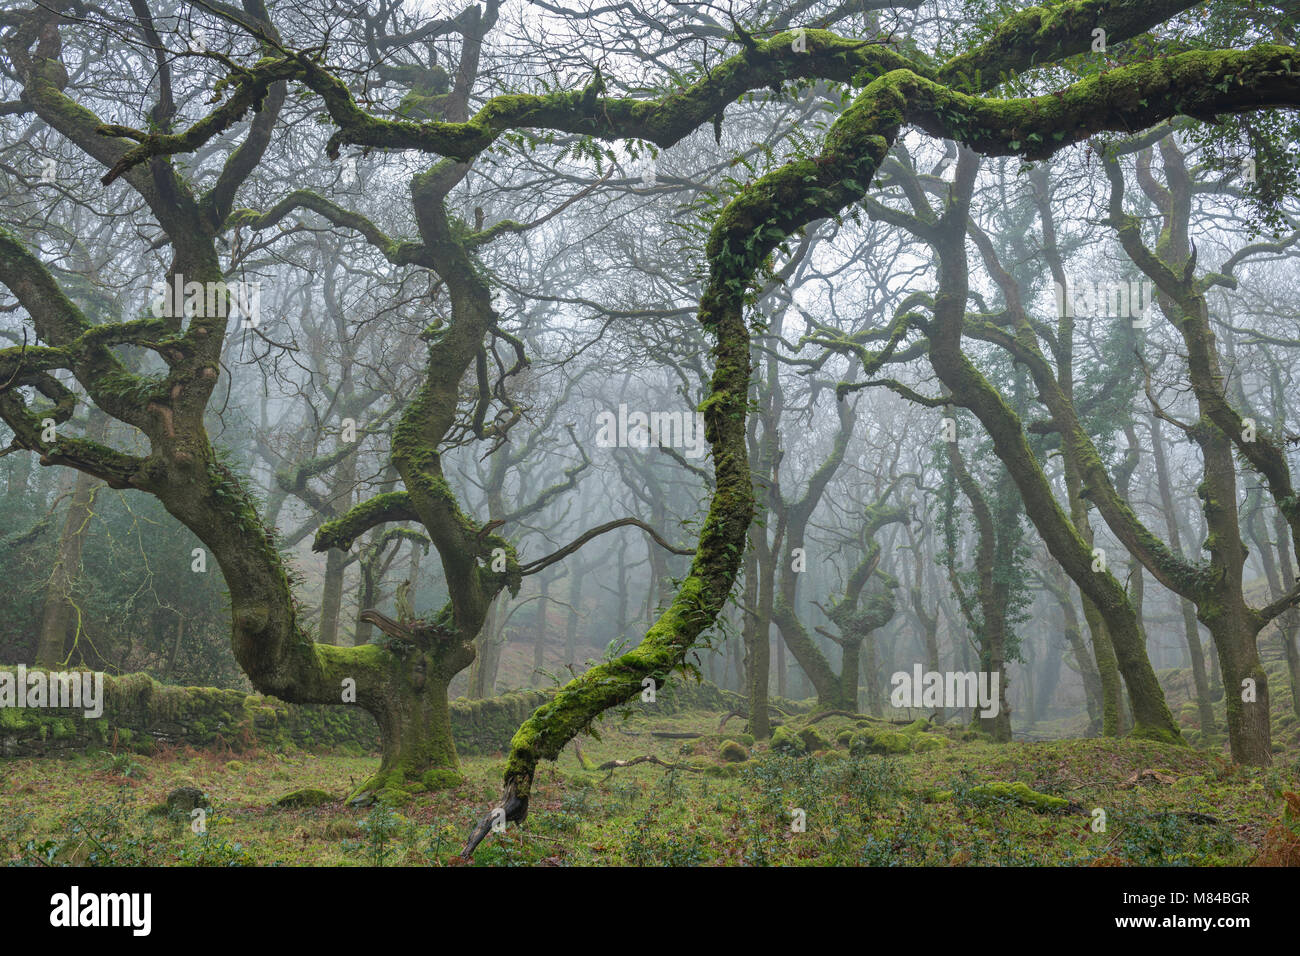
(124, 765)
(381, 831)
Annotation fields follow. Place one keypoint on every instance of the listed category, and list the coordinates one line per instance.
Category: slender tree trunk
(779, 650)
(871, 661)
(991, 592)
(757, 648)
(850, 671)
(483, 672)
(331, 608)
(1030, 692)
(736, 651)
(367, 596)
(176, 647)
(622, 589)
(1191, 631)
(1112, 692)
(930, 638)
(539, 638)
(576, 577)
(413, 575)
(1216, 673)
(332, 596)
(999, 725)
(1088, 674)
(1288, 627)
(60, 617)
(1288, 624)
(1048, 677)
(1222, 606)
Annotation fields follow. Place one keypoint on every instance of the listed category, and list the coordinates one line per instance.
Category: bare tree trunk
(483, 672)
(176, 647)
(779, 650)
(60, 617)
(332, 596)
(736, 651)
(1288, 624)
(871, 660)
(539, 639)
(757, 646)
(571, 626)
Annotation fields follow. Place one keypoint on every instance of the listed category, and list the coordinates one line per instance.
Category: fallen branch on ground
(612, 765)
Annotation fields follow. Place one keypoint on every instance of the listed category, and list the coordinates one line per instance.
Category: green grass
(929, 806)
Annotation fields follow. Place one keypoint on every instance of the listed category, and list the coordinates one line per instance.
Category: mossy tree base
(418, 750)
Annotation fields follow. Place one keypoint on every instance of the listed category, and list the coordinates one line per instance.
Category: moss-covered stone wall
(141, 714)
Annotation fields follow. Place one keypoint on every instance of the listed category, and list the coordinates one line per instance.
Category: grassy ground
(871, 794)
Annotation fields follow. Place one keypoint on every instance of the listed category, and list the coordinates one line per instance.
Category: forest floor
(870, 793)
